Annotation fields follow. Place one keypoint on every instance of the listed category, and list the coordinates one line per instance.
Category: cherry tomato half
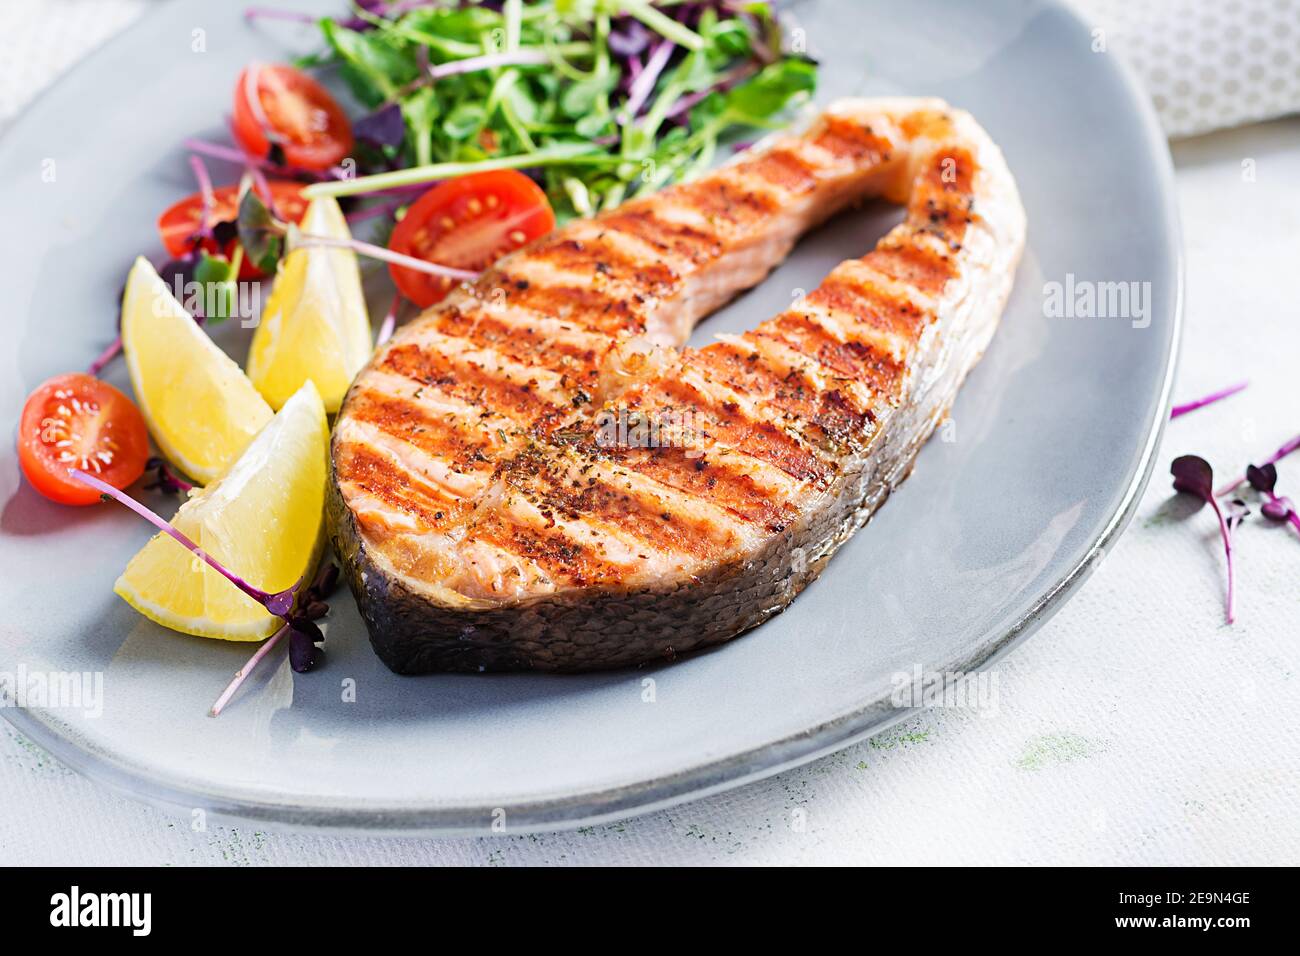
(178, 224)
(467, 223)
(77, 421)
(292, 111)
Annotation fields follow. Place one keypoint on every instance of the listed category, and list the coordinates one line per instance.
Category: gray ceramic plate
(1051, 443)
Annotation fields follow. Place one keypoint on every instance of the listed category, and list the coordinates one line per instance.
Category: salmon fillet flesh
(536, 475)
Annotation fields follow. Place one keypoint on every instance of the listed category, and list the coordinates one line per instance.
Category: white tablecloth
(1133, 728)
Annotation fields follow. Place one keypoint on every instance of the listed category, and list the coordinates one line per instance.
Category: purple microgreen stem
(690, 100)
(254, 99)
(242, 674)
(1194, 476)
(232, 155)
(390, 322)
(279, 603)
(387, 255)
(205, 191)
(264, 188)
(1181, 410)
(490, 61)
(644, 83)
(105, 357)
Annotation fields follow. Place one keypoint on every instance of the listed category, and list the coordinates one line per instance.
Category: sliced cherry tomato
(292, 111)
(467, 223)
(178, 224)
(77, 421)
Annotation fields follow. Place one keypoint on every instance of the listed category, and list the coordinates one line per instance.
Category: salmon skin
(535, 475)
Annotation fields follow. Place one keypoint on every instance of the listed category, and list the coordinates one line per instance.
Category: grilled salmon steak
(535, 475)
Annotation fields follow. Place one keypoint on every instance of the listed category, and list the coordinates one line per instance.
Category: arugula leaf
(756, 101)
(374, 67)
(464, 121)
(421, 111)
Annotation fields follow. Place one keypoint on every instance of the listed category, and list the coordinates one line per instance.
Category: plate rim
(608, 804)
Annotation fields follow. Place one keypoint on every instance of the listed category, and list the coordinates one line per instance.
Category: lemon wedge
(314, 326)
(263, 519)
(197, 402)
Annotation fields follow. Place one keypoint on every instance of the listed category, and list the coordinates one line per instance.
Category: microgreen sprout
(1273, 459)
(385, 255)
(1180, 410)
(261, 235)
(264, 237)
(303, 632)
(1194, 476)
(279, 603)
(1263, 478)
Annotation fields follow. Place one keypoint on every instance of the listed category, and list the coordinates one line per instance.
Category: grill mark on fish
(846, 140)
(866, 305)
(729, 205)
(612, 248)
(655, 516)
(460, 441)
(446, 478)
(878, 369)
(533, 343)
(725, 421)
(467, 381)
(786, 169)
(374, 473)
(846, 327)
(600, 309)
(836, 413)
(433, 402)
(911, 264)
(606, 262)
(679, 239)
(580, 556)
(694, 472)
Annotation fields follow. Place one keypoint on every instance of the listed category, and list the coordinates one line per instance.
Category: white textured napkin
(1208, 64)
